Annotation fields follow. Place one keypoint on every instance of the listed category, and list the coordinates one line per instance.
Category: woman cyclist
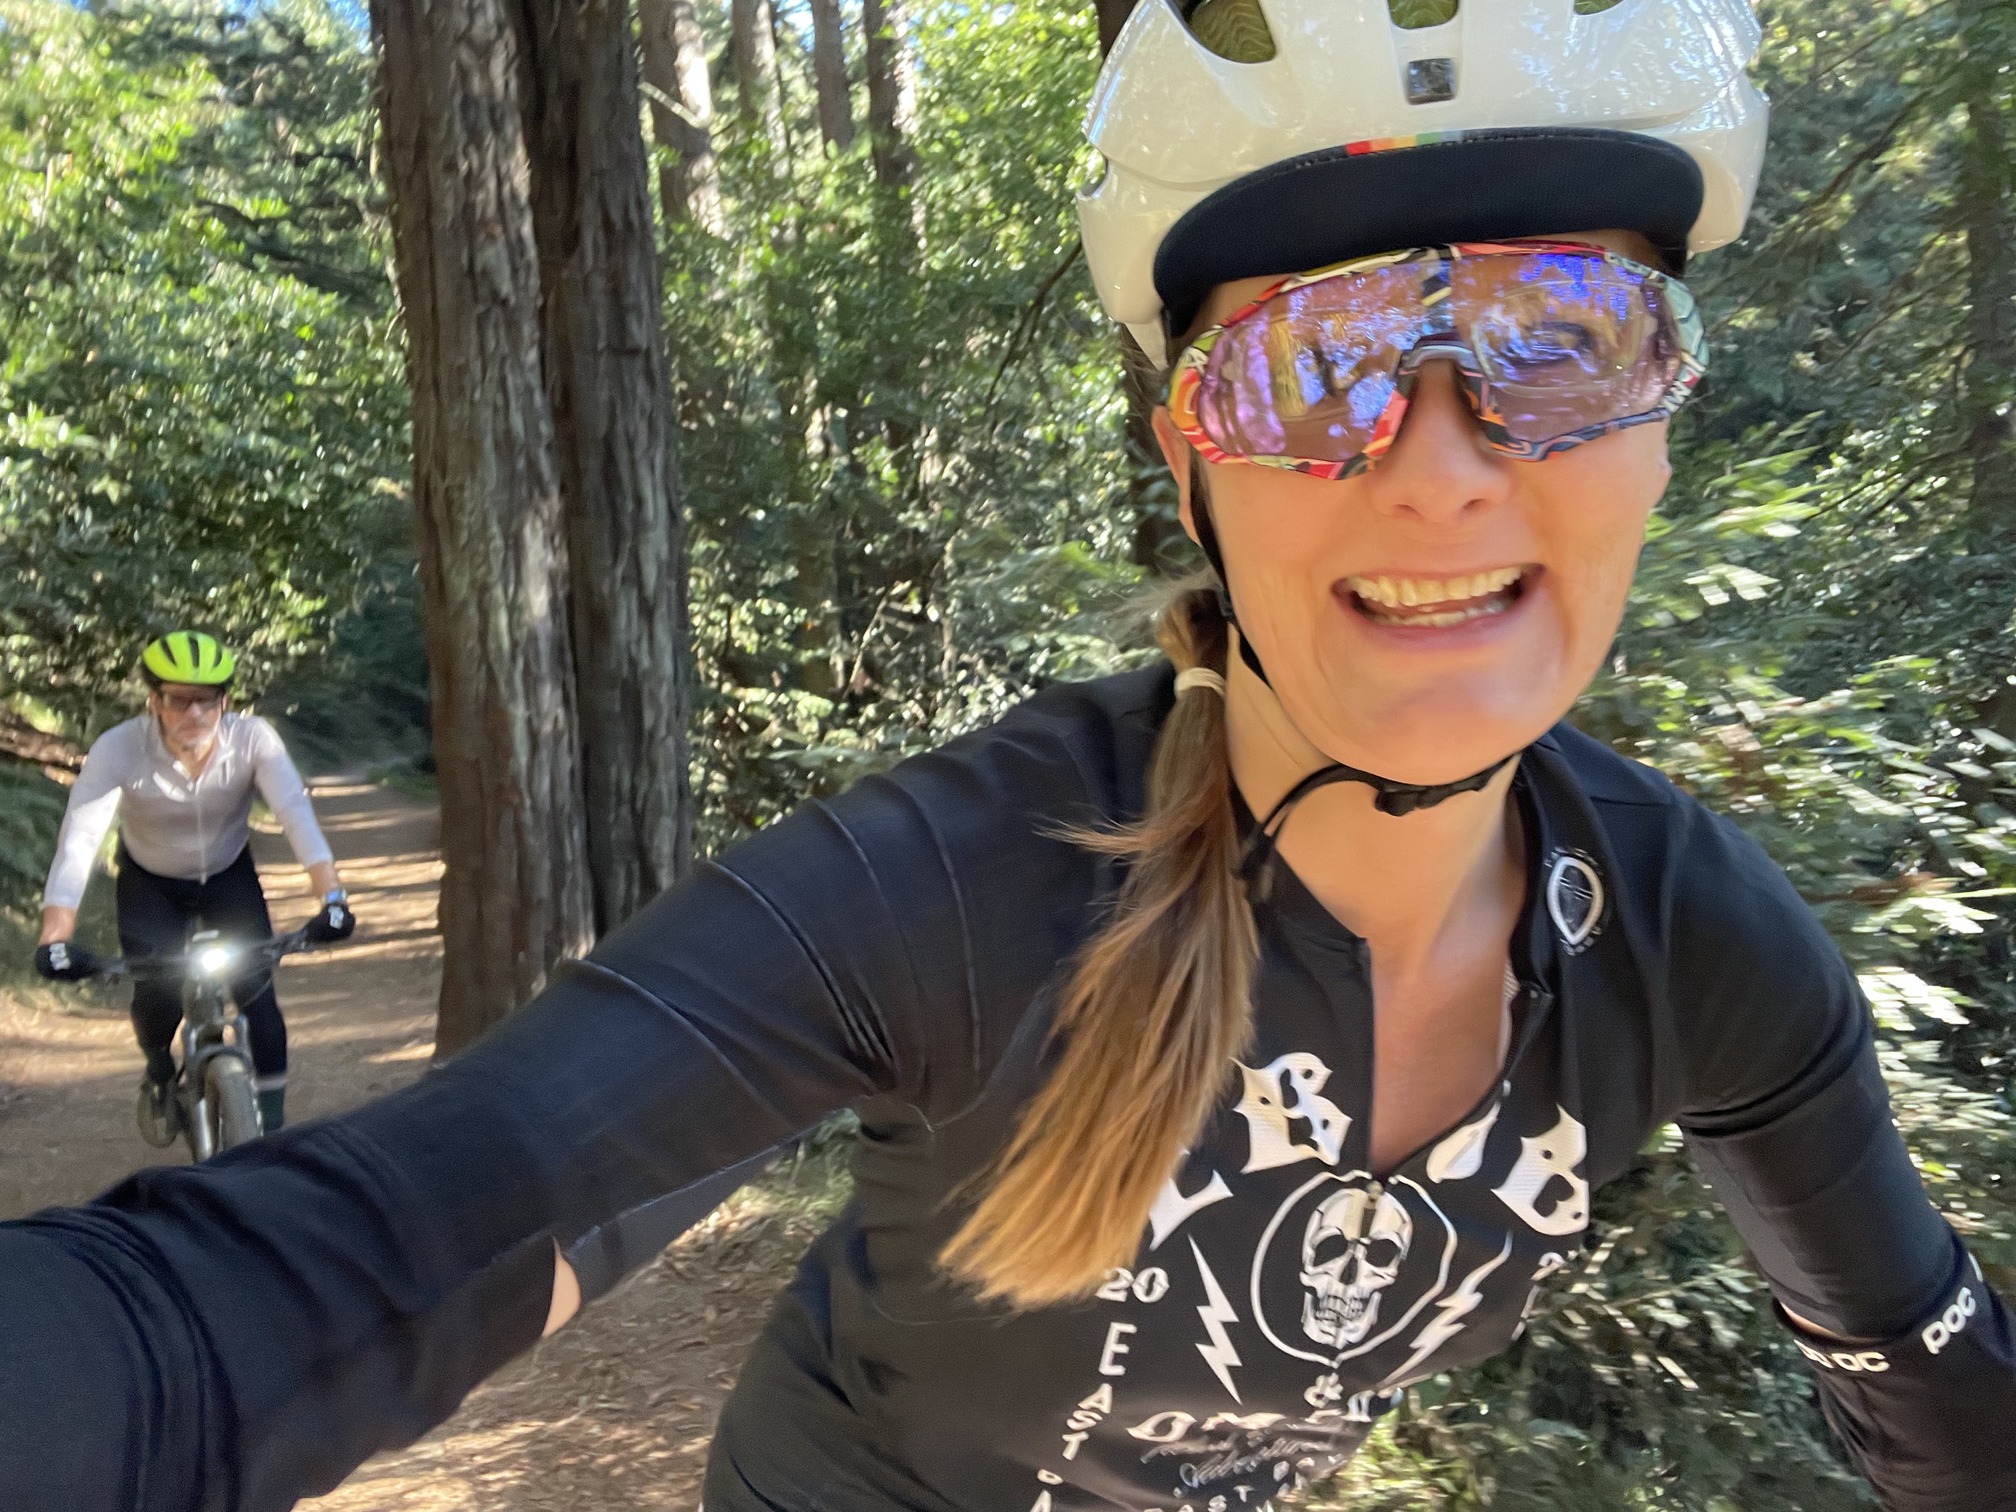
(1235, 1041)
(179, 781)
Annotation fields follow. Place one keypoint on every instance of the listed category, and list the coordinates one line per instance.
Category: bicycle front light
(212, 960)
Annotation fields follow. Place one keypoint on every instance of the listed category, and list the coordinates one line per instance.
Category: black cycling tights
(155, 917)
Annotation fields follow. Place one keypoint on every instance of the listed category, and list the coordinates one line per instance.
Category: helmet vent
(1431, 79)
(1413, 15)
(1236, 30)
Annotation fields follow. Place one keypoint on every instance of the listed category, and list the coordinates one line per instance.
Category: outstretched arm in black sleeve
(1789, 1117)
(239, 1335)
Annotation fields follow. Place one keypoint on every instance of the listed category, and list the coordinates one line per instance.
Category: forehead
(1227, 297)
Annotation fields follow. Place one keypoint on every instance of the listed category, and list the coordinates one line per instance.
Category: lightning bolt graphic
(1219, 1353)
(1450, 1312)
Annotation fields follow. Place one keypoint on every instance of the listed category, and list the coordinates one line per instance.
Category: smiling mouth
(1437, 603)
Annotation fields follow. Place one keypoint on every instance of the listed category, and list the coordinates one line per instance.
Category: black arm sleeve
(238, 1335)
(1789, 1117)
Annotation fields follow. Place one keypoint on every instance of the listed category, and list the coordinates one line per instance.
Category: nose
(1439, 469)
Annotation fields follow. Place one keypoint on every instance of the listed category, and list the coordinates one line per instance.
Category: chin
(1439, 735)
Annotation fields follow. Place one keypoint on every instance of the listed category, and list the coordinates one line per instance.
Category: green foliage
(201, 413)
(31, 807)
(901, 450)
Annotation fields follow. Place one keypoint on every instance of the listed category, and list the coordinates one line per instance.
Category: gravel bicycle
(211, 1103)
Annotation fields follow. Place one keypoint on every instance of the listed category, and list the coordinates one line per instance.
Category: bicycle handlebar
(237, 959)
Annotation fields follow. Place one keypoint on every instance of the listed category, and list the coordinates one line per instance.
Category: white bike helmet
(1247, 137)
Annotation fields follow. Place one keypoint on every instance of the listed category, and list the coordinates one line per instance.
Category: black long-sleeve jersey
(237, 1335)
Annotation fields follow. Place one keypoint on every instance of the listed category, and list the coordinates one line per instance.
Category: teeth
(1409, 593)
(1445, 617)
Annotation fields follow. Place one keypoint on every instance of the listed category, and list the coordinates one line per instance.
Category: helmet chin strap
(1390, 796)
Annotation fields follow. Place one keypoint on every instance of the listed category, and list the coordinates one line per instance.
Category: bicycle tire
(229, 1104)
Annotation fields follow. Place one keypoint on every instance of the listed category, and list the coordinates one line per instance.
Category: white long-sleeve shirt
(173, 824)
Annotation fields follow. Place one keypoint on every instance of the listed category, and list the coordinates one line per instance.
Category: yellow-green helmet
(188, 656)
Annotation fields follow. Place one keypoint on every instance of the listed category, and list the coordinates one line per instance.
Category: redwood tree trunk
(614, 435)
(675, 65)
(753, 45)
(493, 552)
(829, 75)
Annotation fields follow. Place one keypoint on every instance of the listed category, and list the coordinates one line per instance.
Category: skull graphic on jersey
(1352, 1250)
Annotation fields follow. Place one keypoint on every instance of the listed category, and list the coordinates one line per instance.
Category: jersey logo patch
(1576, 899)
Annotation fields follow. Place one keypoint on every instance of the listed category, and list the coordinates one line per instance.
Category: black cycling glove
(1926, 1415)
(335, 922)
(61, 961)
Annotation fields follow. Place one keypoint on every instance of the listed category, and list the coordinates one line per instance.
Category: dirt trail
(360, 1016)
(613, 1413)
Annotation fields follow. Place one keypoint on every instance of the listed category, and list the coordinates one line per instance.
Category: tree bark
(615, 434)
(493, 551)
(892, 93)
(753, 45)
(1160, 546)
(23, 742)
(829, 75)
(675, 65)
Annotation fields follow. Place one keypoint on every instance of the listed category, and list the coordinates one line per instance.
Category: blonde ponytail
(1157, 1008)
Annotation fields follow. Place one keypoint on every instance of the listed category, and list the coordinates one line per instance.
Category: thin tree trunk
(815, 590)
(615, 434)
(753, 45)
(829, 75)
(892, 93)
(675, 65)
(1160, 547)
(493, 550)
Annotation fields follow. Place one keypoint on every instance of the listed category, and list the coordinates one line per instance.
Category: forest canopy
(913, 496)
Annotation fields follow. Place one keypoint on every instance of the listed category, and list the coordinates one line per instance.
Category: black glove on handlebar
(61, 961)
(335, 922)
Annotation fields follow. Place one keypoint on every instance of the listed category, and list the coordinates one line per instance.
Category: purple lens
(1566, 342)
(1309, 373)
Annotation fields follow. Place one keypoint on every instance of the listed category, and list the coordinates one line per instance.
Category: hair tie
(1199, 677)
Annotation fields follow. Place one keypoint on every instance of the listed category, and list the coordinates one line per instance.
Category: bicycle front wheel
(230, 1107)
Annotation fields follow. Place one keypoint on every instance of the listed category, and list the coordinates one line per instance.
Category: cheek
(1274, 528)
(1598, 501)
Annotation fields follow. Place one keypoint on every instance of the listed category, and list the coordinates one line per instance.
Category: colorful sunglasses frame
(1186, 380)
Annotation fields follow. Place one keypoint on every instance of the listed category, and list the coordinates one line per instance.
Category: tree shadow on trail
(616, 1411)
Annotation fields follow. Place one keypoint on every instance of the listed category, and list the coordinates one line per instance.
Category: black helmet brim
(1330, 206)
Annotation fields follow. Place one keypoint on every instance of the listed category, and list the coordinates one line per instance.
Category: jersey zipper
(1539, 1003)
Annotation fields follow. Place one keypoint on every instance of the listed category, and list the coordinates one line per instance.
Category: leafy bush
(31, 809)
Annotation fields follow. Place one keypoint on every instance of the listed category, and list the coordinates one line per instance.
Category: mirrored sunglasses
(1556, 344)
